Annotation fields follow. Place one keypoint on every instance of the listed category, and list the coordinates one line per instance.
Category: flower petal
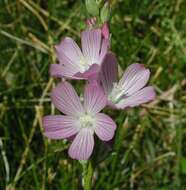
(82, 146)
(91, 74)
(69, 54)
(104, 127)
(91, 44)
(94, 98)
(56, 70)
(60, 127)
(59, 70)
(135, 77)
(65, 99)
(109, 72)
(142, 96)
(104, 49)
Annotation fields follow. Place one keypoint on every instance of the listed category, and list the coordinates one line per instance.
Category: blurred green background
(149, 148)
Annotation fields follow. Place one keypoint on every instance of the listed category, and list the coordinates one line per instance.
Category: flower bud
(90, 22)
(105, 31)
(105, 13)
(92, 7)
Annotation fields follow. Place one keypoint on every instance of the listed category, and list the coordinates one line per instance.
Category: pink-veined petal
(104, 126)
(91, 44)
(56, 70)
(94, 98)
(82, 146)
(140, 97)
(104, 49)
(59, 70)
(60, 127)
(91, 74)
(65, 99)
(69, 54)
(134, 78)
(109, 72)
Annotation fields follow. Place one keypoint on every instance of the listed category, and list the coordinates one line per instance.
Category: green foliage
(92, 7)
(183, 165)
(105, 13)
(149, 148)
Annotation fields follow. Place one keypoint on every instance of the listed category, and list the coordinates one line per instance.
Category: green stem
(87, 175)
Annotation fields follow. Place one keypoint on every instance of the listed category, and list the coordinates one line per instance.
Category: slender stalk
(87, 174)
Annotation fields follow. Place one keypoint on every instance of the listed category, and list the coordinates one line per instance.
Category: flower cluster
(96, 64)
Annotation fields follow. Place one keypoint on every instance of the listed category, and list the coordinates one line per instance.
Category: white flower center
(87, 121)
(83, 64)
(116, 93)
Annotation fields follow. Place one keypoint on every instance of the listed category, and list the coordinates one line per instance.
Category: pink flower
(130, 90)
(77, 64)
(81, 120)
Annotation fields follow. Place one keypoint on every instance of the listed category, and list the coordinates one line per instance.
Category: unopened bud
(105, 31)
(91, 22)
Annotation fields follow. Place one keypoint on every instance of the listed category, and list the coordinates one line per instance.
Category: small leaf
(92, 7)
(105, 13)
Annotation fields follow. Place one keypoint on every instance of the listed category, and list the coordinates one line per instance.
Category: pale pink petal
(142, 96)
(60, 127)
(91, 44)
(91, 74)
(59, 70)
(104, 126)
(135, 77)
(82, 146)
(109, 72)
(69, 54)
(56, 70)
(104, 50)
(65, 99)
(94, 98)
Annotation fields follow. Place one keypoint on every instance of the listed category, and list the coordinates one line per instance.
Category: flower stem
(87, 175)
